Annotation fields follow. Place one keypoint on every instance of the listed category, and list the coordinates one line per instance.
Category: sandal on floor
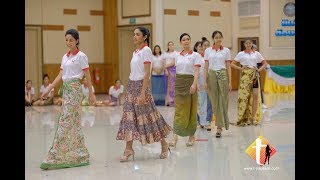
(207, 127)
(218, 134)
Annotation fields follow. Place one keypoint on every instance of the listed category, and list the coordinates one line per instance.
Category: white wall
(49, 12)
(197, 26)
(156, 19)
(269, 52)
(263, 32)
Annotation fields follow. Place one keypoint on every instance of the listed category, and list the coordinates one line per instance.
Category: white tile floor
(211, 158)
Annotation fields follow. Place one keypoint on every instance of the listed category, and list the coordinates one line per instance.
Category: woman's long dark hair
(168, 45)
(154, 50)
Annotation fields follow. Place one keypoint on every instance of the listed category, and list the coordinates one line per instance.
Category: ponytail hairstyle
(145, 32)
(204, 39)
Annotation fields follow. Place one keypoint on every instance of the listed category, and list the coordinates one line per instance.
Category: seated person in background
(49, 100)
(115, 93)
(29, 94)
(85, 91)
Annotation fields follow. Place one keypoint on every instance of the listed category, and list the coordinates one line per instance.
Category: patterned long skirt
(245, 97)
(202, 103)
(141, 122)
(186, 106)
(171, 79)
(218, 91)
(68, 148)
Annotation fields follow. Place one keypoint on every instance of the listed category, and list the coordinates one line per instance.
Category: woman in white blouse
(49, 100)
(218, 71)
(85, 91)
(170, 73)
(141, 119)
(186, 98)
(29, 93)
(115, 95)
(157, 77)
(68, 148)
(249, 96)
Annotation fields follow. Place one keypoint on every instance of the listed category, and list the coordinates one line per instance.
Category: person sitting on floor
(114, 97)
(49, 100)
(29, 94)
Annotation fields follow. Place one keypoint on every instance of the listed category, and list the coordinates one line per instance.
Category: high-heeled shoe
(127, 153)
(164, 151)
(174, 141)
(191, 141)
(218, 134)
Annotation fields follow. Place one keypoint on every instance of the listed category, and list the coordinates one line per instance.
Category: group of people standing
(141, 120)
(163, 75)
(163, 80)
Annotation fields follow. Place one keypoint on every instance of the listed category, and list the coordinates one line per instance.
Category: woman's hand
(198, 87)
(205, 86)
(166, 72)
(244, 67)
(45, 94)
(230, 87)
(92, 99)
(193, 88)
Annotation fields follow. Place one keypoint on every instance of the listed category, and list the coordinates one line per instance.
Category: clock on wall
(289, 9)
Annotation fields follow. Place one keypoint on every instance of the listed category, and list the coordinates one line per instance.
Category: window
(249, 8)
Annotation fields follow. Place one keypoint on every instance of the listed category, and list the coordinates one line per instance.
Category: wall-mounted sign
(132, 20)
(287, 22)
(281, 32)
(282, 23)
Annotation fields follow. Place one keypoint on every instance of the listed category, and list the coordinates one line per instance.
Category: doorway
(126, 48)
(33, 56)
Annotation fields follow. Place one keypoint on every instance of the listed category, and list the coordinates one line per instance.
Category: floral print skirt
(245, 97)
(141, 122)
(68, 148)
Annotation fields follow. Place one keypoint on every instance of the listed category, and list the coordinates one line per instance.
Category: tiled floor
(210, 158)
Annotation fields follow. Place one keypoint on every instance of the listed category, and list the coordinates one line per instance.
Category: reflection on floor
(209, 158)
